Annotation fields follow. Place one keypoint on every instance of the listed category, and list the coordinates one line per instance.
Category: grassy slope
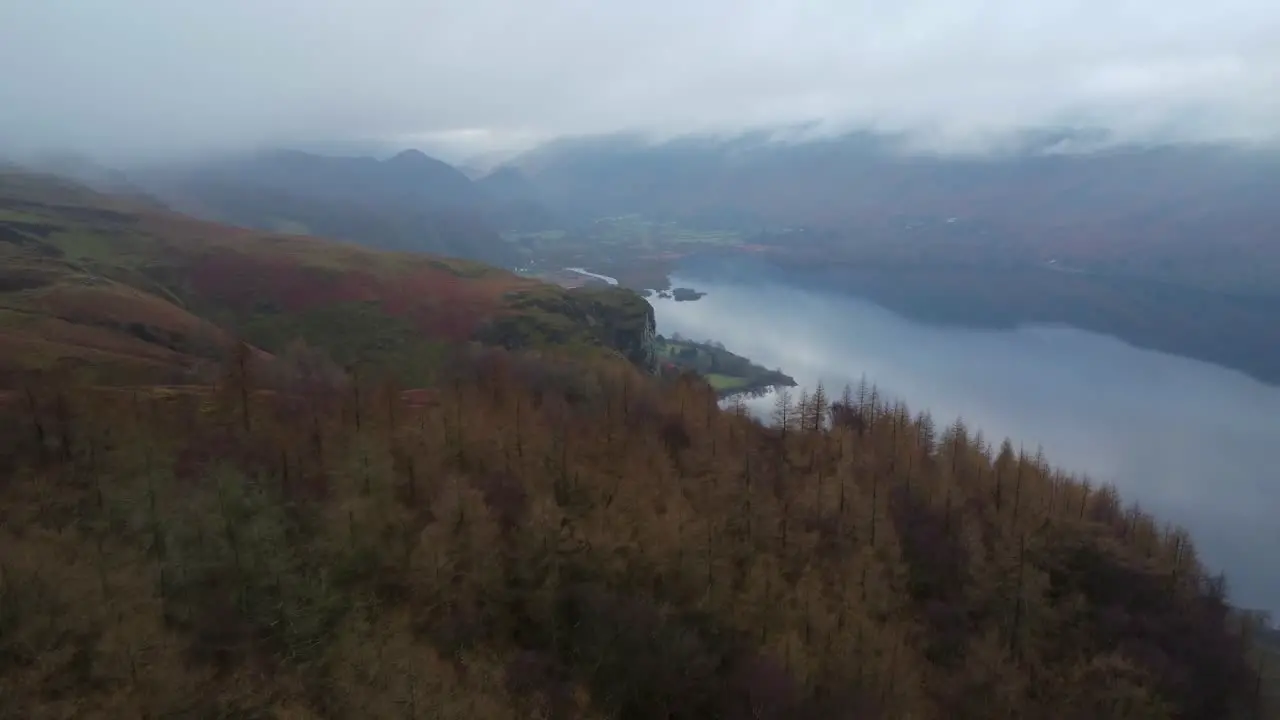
(121, 291)
(726, 372)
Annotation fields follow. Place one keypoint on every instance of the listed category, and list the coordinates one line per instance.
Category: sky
(159, 77)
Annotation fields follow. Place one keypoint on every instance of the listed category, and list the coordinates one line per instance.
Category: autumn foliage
(533, 538)
(437, 300)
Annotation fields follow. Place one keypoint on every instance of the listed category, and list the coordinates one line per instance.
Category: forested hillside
(540, 537)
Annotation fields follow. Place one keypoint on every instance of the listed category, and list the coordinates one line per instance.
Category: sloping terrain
(1204, 216)
(576, 540)
(514, 201)
(119, 290)
(531, 536)
(409, 202)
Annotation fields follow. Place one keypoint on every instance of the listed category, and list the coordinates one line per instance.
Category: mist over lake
(1192, 442)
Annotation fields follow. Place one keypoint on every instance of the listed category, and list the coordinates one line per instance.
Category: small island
(682, 294)
(728, 373)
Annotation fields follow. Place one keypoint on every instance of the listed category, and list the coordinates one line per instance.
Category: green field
(725, 383)
(725, 371)
(639, 252)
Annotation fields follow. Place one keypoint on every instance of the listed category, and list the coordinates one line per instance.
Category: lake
(1192, 442)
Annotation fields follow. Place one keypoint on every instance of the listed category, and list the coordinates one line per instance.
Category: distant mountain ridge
(409, 201)
(517, 203)
(88, 172)
(1199, 215)
(1211, 211)
(829, 182)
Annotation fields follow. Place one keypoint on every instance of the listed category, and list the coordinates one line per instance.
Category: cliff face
(622, 320)
(609, 318)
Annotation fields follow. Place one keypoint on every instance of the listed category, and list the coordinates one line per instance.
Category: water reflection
(1192, 442)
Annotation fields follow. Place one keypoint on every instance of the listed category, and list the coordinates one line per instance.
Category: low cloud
(129, 78)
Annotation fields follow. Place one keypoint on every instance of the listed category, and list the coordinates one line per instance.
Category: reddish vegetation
(109, 329)
(420, 397)
(241, 268)
(116, 304)
(157, 302)
(437, 301)
(53, 339)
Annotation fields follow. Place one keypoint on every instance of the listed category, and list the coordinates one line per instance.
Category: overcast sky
(161, 76)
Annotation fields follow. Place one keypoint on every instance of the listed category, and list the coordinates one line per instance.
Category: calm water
(1194, 443)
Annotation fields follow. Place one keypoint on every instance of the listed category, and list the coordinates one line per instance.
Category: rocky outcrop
(624, 321)
(599, 317)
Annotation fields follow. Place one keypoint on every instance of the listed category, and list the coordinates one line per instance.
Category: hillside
(123, 292)
(575, 540)
(1203, 216)
(430, 488)
(515, 204)
(408, 202)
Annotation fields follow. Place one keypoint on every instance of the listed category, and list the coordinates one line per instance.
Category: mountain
(508, 183)
(122, 292)
(409, 201)
(89, 172)
(409, 177)
(516, 203)
(1197, 214)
